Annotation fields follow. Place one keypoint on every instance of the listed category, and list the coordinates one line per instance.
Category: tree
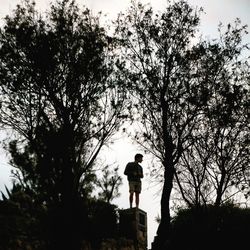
(169, 79)
(215, 168)
(159, 54)
(60, 94)
(109, 184)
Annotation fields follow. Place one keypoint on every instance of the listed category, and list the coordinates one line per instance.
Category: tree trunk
(68, 220)
(219, 192)
(164, 230)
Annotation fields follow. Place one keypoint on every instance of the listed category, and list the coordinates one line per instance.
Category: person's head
(138, 157)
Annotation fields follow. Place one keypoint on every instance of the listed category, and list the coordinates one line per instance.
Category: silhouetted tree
(109, 184)
(59, 93)
(159, 56)
(169, 76)
(216, 165)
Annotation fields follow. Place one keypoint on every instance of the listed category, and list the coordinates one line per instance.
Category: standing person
(134, 174)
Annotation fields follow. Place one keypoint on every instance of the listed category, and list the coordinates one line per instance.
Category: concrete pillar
(133, 225)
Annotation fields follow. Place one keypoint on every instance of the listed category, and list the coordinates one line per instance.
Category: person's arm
(126, 171)
(141, 172)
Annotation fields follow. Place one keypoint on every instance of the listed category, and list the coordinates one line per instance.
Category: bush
(226, 227)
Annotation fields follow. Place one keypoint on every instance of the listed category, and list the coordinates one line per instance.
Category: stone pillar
(133, 225)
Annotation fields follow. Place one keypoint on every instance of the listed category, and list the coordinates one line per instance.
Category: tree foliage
(159, 54)
(187, 93)
(226, 227)
(22, 221)
(109, 184)
(216, 165)
(60, 94)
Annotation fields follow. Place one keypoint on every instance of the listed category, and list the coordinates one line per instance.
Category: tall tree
(169, 77)
(60, 94)
(217, 163)
(158, 50)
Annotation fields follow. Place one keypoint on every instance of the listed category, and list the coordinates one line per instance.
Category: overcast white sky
(216, 11)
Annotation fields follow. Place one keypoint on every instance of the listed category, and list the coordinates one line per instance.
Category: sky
(122, 151)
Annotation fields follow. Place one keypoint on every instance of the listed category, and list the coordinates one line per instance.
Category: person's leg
(137, 199)
(137, 193)
(131, 199)
(131, 192)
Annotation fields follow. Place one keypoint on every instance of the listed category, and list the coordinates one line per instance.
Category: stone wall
(132, 232)
(115, 244)
(120, 244)
(112, 244)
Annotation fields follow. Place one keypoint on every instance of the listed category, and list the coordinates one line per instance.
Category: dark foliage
(103, 222)
(226, 227)
(26, 224)
(22, 221)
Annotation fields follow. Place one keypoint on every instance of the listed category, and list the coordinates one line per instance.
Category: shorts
(134, 186)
